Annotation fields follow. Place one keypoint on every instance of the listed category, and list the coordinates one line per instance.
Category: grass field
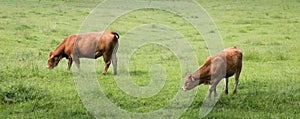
(266, 31)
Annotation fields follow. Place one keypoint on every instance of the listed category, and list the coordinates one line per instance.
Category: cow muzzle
(49, 67)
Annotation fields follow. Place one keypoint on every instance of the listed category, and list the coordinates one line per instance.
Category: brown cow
(222, 65)
(87, 45)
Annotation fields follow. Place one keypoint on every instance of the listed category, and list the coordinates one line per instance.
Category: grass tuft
(20, 93)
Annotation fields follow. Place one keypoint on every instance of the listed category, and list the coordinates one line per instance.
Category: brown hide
(222, 65)
(87, 45)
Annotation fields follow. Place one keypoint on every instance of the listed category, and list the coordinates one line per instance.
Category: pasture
(266, 31)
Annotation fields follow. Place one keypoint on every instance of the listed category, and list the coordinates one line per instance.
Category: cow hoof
(234, 92)
(226, 92)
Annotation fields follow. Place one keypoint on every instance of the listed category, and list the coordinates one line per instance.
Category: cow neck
(196, 76)
(59, 49)
(204, 70)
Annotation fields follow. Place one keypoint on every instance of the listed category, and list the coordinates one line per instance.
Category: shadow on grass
(138, 72)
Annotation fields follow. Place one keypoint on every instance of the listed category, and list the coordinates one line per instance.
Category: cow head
(190, 82)
(53, 60)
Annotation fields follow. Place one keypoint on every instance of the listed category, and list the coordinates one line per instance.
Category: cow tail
(116, 35)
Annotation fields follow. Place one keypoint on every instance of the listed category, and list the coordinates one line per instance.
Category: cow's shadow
(138, 73)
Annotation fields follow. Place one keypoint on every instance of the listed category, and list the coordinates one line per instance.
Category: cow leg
(107, 61)
(75, 56)
(218, 73)
(77, 62)
(226, 86)
(114, 63)
(215, 91)
(212, 89)
(213, 86)
(114, 59)
(237, 76)
(70, 63)
(236, 82)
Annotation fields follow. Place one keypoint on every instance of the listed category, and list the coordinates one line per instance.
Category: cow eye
(51, 60)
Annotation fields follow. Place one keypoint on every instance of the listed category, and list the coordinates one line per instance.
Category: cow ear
(189, 75)
(50, 54)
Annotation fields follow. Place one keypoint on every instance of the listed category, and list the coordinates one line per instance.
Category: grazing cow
(219, 66)
(87, 45)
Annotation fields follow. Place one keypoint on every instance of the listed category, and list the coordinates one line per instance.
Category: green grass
(266, 31)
